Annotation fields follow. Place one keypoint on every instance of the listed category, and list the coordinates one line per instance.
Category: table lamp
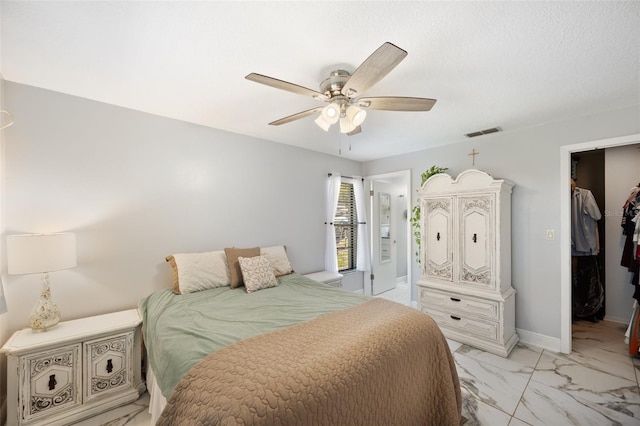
(41, 253)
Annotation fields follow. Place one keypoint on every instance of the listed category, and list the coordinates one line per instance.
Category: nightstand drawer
(51, 382)
(453, 302)
(107, 365)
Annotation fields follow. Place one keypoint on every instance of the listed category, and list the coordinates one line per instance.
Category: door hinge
(371, 277)
(371, 192)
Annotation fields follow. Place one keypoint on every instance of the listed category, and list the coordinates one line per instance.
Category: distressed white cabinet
(75, 370)
(466, 259)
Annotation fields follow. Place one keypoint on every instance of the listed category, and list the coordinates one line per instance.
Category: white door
(383, 242)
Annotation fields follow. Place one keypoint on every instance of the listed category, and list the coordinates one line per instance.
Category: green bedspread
(180, 330)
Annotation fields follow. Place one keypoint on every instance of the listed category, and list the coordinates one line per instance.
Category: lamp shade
(322, 123)
(356, 115)
(35, 253)
(346, 125)
(331, 113)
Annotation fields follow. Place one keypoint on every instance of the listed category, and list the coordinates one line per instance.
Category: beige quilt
(378, 363)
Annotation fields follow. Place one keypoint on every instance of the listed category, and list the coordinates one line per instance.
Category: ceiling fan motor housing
(333, 85)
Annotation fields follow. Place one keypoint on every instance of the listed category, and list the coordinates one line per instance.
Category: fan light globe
(346, 125)
(321, 122)
(356, 115)
(331, 113)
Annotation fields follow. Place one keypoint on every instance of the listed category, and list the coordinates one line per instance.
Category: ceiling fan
(342, 91)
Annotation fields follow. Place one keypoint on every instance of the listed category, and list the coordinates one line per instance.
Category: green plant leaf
(415, 212)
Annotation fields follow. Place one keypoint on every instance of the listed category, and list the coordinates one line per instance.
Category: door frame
(565, 226)
(405, 177)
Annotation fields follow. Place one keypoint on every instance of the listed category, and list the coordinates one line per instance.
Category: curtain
(363, 259)
(331, 205)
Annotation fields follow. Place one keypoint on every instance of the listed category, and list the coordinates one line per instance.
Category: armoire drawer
(459, 323)
(467, 305)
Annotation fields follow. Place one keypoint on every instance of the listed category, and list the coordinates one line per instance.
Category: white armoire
(466, 259)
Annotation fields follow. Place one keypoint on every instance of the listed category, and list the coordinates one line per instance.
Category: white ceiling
(507, 64)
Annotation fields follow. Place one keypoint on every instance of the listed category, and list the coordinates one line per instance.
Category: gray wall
(136, 187)
(530, 159)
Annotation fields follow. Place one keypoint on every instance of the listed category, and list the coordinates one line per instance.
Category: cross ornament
(473, 154)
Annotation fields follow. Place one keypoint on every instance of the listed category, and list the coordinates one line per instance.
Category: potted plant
(415, 212)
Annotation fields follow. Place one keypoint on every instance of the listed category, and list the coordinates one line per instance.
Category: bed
(297, 352)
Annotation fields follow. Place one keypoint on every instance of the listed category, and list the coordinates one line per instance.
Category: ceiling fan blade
(373, 69)
(355, 131)
(396, 103)
(296, 116)
(285, 85)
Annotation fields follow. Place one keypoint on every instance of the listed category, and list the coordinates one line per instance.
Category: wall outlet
(551, 234)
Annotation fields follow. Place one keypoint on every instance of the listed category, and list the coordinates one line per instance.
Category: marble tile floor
(401, 294)
(597, 384)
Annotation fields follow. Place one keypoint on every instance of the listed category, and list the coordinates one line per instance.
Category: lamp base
(45, 314)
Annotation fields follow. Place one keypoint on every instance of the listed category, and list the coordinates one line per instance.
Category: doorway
(389, 238)
(565, 227)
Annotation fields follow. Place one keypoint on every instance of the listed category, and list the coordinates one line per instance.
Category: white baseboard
(401, 280)
(539, 340)
(617, 320)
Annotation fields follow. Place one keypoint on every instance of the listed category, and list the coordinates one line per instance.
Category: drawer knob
(52, 382)
(109, 366)
(455, 299)
(455, 318)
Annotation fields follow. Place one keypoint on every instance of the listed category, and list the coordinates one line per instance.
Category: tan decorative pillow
(234, 267)
(199, 271)
(277, 256)
(174, 280)
(257, 273)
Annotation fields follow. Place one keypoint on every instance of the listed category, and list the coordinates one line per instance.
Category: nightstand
(333, 279)
(75, 370)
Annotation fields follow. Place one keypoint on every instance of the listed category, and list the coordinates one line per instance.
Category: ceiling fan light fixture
(322, 123)
(331, 113)
(346, 125)
(356, 115)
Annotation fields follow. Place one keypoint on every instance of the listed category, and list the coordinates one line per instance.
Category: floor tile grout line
(525, 388)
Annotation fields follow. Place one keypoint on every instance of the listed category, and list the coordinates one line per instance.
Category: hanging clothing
(631, 230)
(587, 290)
(587, 287)
(584, 215)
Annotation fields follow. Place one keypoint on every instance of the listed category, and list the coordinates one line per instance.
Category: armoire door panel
(438, 239)
(476, 239)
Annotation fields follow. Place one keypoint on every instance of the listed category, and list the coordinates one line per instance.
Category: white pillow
(257, 273)
(199, 271)
(277, 256)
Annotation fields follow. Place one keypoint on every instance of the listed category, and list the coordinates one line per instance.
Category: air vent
(483, 132)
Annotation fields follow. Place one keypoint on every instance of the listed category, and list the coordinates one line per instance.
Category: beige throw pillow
(277, 256)
(257, 273)
(199, 271)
